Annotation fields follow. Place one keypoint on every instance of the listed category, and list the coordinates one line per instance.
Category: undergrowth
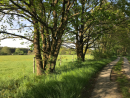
(67, 82)
(122, 80)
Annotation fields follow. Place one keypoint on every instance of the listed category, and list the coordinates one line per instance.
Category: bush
(25, 54)
(2, 53)
(19, 51)
(99, 55)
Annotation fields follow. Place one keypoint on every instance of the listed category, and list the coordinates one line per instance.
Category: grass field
(23, 64)
(18, 81)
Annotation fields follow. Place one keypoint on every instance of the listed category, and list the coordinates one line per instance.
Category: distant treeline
(26, 51)
(14, 51)
(68, 51)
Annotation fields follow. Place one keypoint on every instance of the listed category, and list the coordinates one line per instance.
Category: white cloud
(16, 43)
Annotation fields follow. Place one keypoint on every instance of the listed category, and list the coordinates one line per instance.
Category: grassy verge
(68, 81)
(128, 57)
(122, 80)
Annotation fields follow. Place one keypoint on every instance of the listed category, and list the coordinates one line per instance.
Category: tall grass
(128, 57)
(122, 80)
(18, 81)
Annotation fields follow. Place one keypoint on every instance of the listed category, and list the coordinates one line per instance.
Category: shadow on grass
(78, 64)
(66, 85)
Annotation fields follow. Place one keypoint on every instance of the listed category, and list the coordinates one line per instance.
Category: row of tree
(115, 42)
(69, 51)
(24, 51)
(13, 51)
(79, 22)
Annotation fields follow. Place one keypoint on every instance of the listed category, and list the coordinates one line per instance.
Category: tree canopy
(85, 23)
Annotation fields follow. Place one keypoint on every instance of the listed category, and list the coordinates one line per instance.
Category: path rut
(105, 88)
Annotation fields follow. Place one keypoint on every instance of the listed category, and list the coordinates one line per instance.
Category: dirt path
(105, 88)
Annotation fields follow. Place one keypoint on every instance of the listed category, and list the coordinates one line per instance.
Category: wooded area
(99, 24)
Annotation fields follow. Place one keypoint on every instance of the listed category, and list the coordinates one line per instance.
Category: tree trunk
(37, 50)
(52, 65)
(43, 31)
(56, 52)
(79, 37)
(80, 55)
(79, 49)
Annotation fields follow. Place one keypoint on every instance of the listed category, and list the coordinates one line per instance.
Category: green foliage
(89, 51)
(62, 51)
(122, 80)
(19, 51)
(5, 51)
(65, 51)
(118, 66)
(100, 55)
(30, 52)
(67, 82)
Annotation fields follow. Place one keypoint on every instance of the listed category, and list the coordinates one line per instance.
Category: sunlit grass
(17, 79)
(122, 80)
(23, 64)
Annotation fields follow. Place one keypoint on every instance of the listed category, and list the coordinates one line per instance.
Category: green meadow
(18, 81)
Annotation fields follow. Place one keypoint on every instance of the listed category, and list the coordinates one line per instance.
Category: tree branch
(25, 2)
(20, 36)
(17, 15)
(22, 8)
(34, 16)
(8, 37)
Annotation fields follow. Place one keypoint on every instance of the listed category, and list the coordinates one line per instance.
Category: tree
(29, 52)
(87, 27)
(79, 23)
(18, 51)
(6, 50)
(114, 42)
(49, 19)
(90, 26)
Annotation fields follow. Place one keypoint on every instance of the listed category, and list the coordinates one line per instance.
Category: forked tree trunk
(52, 46)
(56, 52)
